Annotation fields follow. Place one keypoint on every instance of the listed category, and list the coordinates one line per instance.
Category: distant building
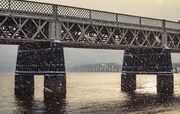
(104, 67)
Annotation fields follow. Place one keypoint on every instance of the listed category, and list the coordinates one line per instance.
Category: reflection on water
(91, 93)
(26, 104)
(146, 84)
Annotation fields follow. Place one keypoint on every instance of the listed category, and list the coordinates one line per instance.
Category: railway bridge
(42, 30)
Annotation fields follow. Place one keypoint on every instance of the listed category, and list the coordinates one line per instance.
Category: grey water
(91, 93)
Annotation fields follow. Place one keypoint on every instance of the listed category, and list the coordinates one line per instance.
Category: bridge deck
(78, 27)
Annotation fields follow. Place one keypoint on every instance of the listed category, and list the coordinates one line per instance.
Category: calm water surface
(91, 93)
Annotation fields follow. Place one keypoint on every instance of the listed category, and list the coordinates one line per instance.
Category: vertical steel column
(54, 30)
(164, 35)
(55, 26)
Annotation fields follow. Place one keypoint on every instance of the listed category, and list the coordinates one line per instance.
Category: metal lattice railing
(151, 22)
(4, 4)
(31, 7)
(73, 12)
(128, 19)
(172, 25)
(104, 16)
(53, 11)
(26, 7)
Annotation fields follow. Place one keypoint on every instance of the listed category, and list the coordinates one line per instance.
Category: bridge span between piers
(42, 30)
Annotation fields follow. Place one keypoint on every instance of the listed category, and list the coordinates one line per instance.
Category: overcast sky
(162, 9)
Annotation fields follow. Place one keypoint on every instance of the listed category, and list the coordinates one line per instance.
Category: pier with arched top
(42, 30)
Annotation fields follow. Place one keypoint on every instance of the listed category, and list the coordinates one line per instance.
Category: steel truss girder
(97, 34)
(16, 28)
(30, 29)
(173, 40)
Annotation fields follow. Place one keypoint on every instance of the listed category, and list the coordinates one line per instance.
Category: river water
(91, 93)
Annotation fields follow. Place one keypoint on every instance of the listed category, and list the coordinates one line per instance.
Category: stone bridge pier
(148, 61)
(41, 59)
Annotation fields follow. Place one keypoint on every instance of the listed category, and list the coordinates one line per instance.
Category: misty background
(73, 57)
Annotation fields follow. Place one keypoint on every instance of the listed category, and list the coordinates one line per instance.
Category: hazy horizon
(73, 57)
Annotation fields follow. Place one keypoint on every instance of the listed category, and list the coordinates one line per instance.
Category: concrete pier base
(165, 84)
(46, 59)
(148, 61)
(54, 86)
(128, 82)
(24, 84)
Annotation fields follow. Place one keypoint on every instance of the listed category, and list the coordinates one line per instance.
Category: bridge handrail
(172, 25)
(53, 10)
